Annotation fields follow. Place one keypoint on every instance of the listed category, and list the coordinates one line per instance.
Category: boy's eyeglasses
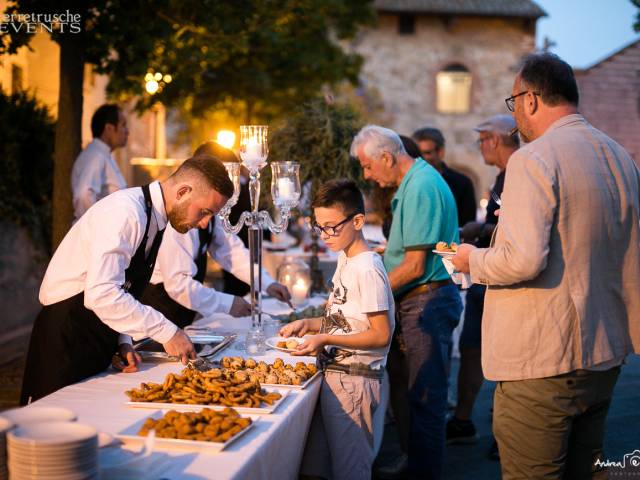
(333, 230)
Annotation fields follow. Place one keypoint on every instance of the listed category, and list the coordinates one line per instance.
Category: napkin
(459, 278)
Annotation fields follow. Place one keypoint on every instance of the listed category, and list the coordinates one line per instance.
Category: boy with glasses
(353, 342)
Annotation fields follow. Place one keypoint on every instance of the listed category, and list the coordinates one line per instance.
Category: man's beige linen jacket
(564, 266)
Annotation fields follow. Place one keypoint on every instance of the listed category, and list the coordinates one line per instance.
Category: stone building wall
(610, 97)
(403, 68)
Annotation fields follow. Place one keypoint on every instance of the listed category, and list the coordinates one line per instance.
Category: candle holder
(285, 193)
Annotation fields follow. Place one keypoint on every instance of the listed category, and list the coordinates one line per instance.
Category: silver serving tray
(206, 344)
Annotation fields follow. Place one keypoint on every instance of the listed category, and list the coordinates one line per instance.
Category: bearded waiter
(103, 265)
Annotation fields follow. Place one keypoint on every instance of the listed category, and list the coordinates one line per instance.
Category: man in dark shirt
(496, 146)
(431, 143)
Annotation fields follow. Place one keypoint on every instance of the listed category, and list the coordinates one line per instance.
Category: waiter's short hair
(209, 169)
(214, 149)
(550, 77)
(340, 192)
(107, 113)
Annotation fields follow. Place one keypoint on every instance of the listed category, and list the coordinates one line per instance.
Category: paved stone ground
(466, 462)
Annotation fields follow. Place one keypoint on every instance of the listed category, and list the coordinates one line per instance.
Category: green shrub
(26, 163)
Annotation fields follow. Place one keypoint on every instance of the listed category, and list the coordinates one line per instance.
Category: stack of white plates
(53, 451)
(5, 426)
(27, 415)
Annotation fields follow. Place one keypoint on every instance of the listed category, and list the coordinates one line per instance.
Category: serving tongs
(202, 364)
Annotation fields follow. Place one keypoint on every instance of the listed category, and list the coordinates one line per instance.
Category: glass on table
(254, 341)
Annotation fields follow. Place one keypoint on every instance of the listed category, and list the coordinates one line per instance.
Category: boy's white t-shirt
(360, 286)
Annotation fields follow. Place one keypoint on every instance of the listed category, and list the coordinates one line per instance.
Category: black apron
(157, 297)
(69, 342)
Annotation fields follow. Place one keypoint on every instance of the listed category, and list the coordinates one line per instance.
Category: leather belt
(424, 288)
(358, 369)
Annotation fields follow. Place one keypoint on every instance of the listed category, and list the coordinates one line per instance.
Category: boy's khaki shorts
(341, 438)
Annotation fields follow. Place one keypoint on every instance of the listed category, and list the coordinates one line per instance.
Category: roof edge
(610, 55)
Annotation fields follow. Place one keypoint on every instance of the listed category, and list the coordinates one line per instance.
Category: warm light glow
(484, 202)
(167, 78)
(148, 77)
(453, 91)
(226, 138)
(151, 86)
(158, 76)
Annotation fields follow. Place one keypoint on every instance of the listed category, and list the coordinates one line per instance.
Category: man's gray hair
(376, 141)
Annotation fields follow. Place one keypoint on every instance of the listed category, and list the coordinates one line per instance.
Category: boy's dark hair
(340, 192)
(210, 169)
(216, 150)
(107, 113)
(429, 133)
(551, 77)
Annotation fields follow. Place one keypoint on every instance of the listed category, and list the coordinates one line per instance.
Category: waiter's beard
(178, 218)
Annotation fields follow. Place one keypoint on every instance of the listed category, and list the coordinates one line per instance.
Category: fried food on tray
(445, 247)
(204, 426)
(277, 373)
(204, 388)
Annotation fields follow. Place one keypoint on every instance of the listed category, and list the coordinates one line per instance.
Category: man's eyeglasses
(333, 230)
(511, 101)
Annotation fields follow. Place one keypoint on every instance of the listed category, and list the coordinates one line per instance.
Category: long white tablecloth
(271, 450)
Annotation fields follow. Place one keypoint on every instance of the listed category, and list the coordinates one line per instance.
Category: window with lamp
(453, 89)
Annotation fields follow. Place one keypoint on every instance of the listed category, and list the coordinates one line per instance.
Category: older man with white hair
(427, 302)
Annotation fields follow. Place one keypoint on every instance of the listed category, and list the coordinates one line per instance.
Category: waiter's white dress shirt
(175, 267)
(93, 258)
(95, 175)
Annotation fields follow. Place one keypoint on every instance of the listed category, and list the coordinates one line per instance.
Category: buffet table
(272, 449)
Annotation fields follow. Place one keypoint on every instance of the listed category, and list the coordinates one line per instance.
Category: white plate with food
(444, 253)
(286, 344)
(132, 435)
(264, 409)
(278, 374)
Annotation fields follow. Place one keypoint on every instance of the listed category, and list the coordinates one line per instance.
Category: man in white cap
(496, 143)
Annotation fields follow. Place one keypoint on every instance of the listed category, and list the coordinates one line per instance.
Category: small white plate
(130, 436)
(35, 414)
(444, 254)
(186, 407)
(273, 342)
(59, 434)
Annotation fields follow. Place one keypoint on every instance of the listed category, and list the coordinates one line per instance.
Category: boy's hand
(311, 345)
(297, 328)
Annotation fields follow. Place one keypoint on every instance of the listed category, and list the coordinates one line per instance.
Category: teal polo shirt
(424, 213)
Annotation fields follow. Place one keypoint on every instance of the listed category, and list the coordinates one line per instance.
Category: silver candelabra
(285, 193)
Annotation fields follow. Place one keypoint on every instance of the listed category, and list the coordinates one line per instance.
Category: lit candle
(252, 156)
(299, 291)
(286, 189)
